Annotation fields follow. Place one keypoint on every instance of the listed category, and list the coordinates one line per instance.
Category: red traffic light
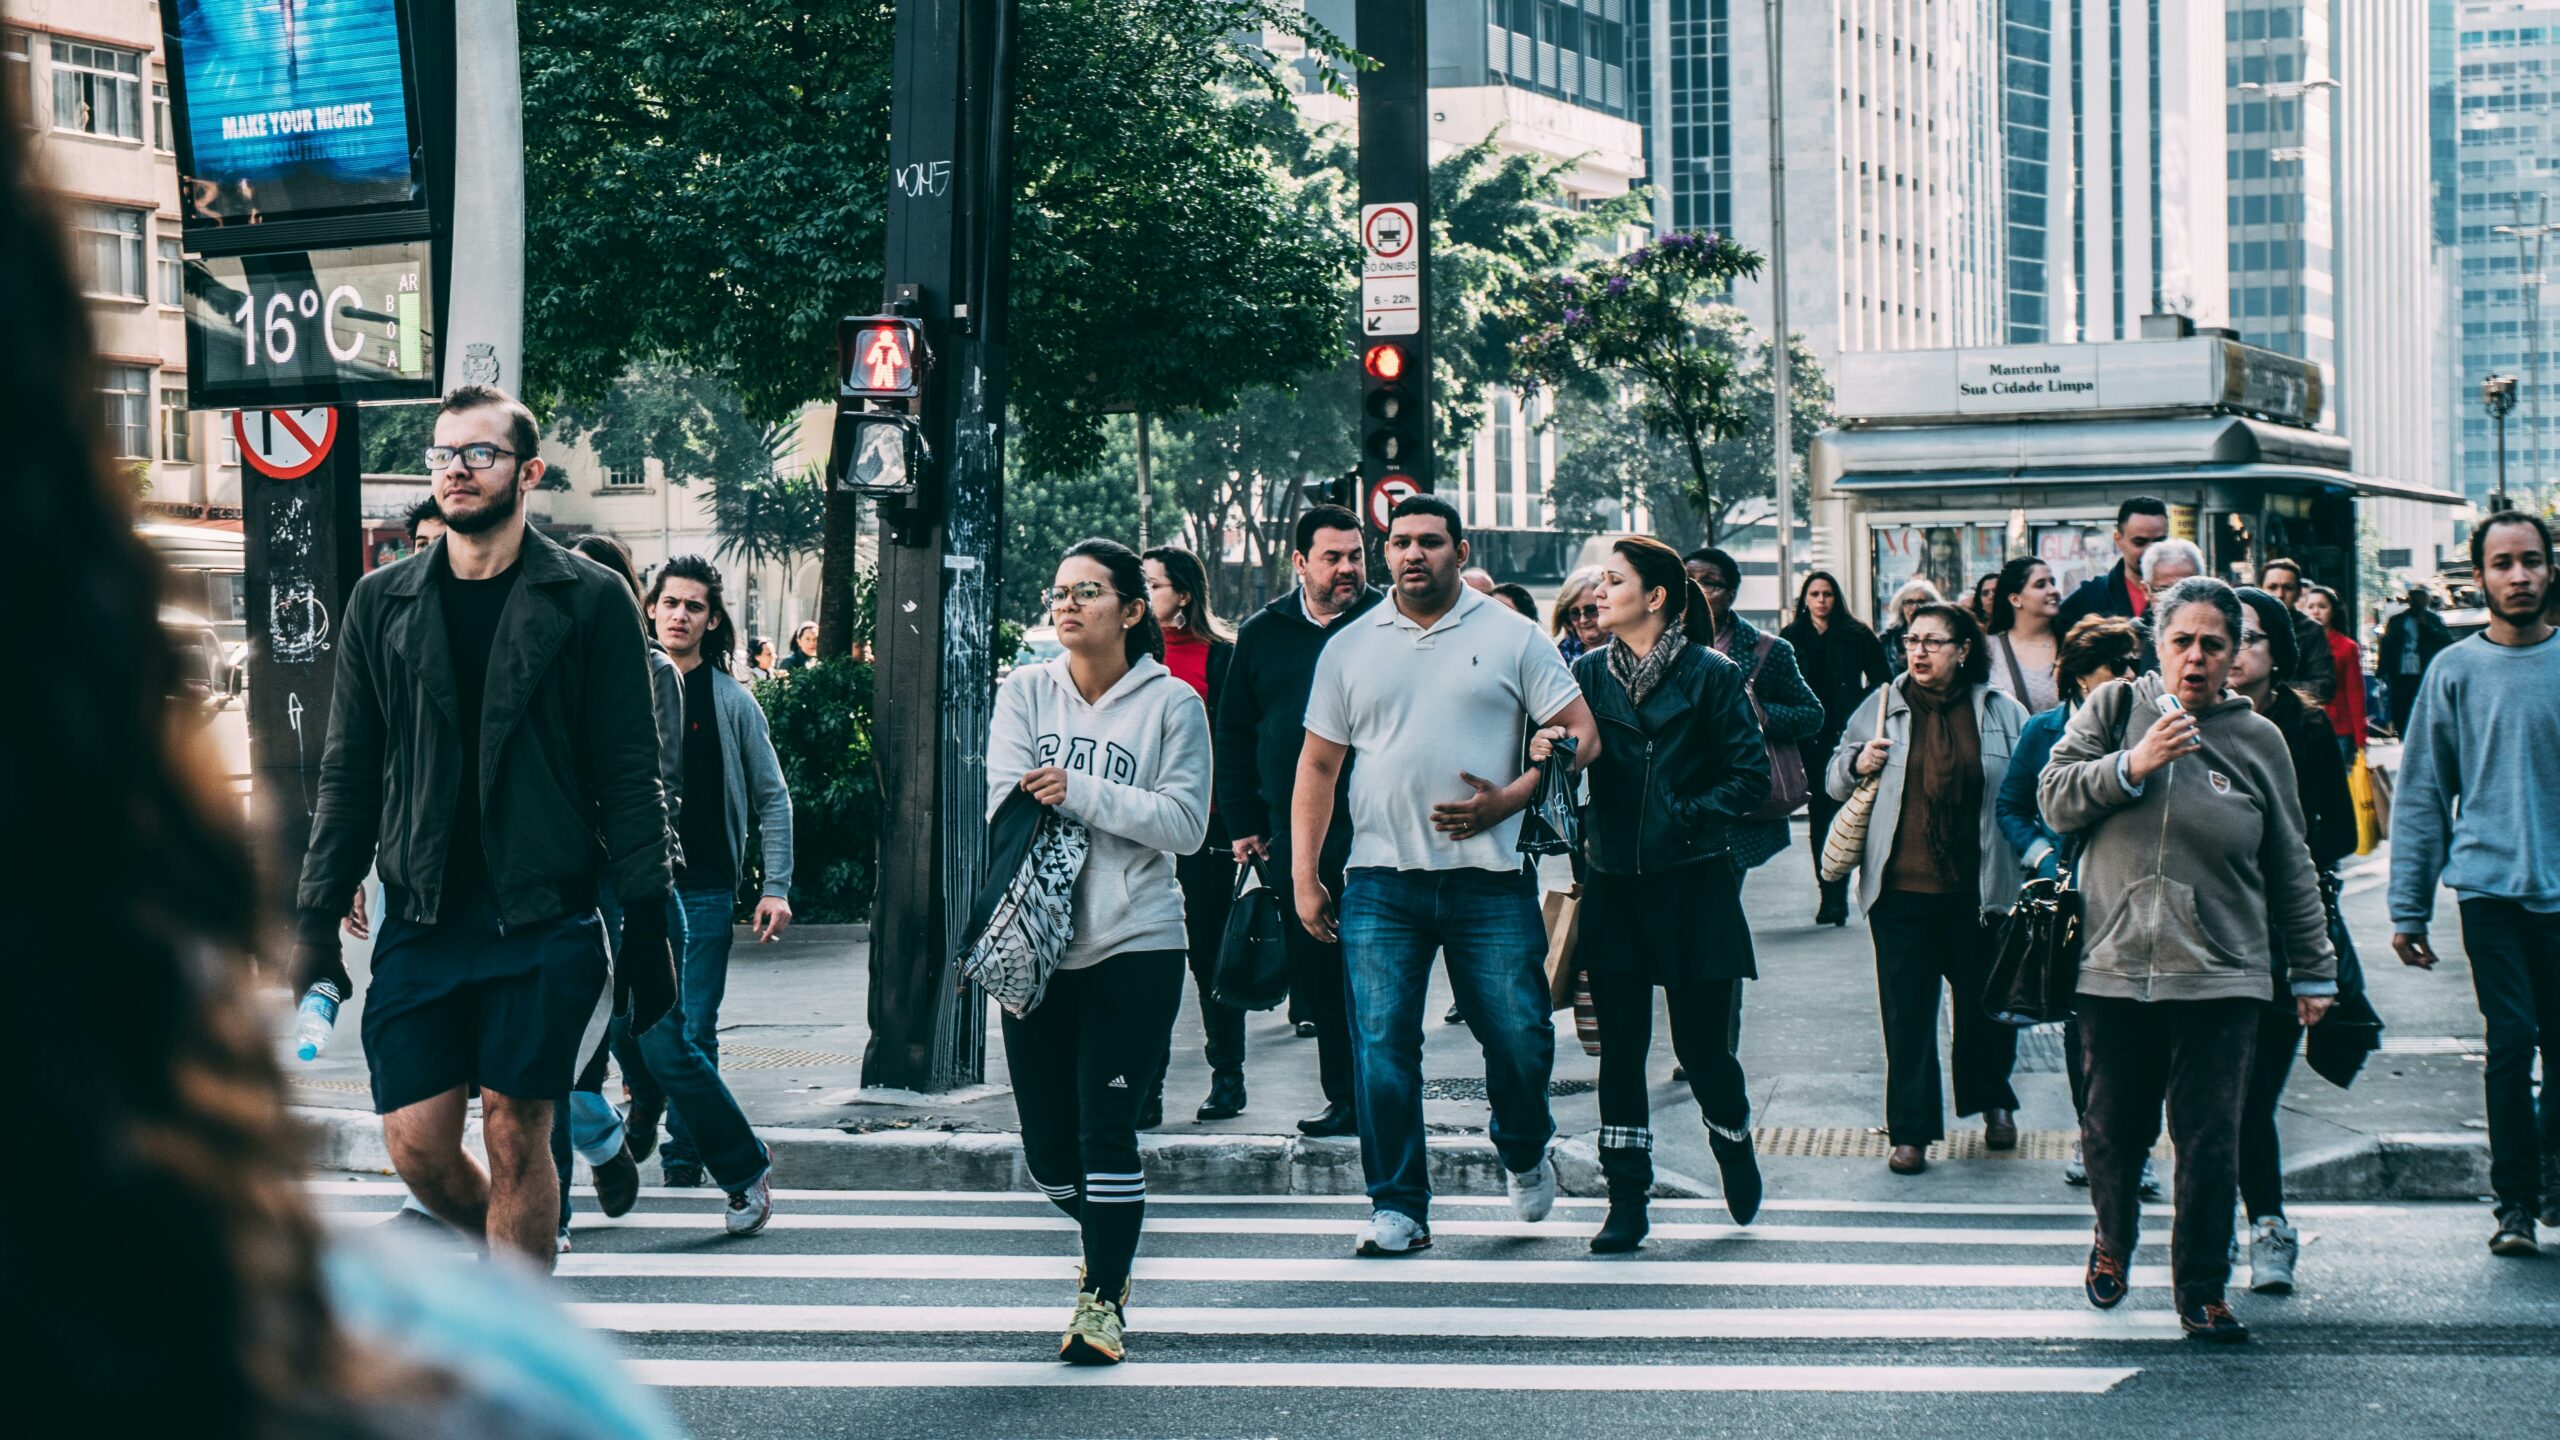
(880, 357)
(1384, 362)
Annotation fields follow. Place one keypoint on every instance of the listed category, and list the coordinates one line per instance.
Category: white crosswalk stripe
(967, 1292)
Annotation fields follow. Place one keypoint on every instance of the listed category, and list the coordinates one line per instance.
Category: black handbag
(1552, 825)
(2037, 970)
(2337, 1047)
(1253, 956)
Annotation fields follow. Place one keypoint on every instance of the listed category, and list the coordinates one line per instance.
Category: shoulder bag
(1787, 788)
(1253, 955)
(1032, 916)
(2035, 971)
(1846, 844)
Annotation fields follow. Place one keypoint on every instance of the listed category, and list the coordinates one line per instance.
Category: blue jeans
(1488, 924)
(669, 1061)
(702, 981)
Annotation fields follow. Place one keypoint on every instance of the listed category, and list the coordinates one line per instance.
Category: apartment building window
(109, 241)
(127, 391)
(173, 272)
(177, 428)
(97, 91)
(164, 134)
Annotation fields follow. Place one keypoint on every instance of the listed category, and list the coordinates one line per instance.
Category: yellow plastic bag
(2368, 810)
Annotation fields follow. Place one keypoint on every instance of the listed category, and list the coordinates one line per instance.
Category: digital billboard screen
(293, 110)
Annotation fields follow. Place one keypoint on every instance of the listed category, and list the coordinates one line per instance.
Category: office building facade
(2507, 54)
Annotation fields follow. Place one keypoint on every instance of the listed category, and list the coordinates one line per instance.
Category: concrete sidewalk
(792, 1036)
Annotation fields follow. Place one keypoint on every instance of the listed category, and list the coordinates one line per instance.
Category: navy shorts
(459, 1003)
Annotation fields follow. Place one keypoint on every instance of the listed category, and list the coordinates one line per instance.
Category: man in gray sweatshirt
(2485, 735)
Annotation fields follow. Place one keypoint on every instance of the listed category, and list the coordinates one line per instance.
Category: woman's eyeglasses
(1083, 592)
(1583, 612)
(1927, 644)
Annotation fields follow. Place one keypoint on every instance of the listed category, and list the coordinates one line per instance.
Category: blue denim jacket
(2020, 819)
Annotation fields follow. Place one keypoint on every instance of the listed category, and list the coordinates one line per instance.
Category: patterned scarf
(1641, 676)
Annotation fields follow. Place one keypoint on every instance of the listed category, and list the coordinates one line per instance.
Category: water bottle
(313, 1022)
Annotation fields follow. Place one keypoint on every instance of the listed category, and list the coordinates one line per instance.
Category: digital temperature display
(318, 328)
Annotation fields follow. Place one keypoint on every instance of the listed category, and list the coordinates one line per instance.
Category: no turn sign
(1386, 495)
(285, 444)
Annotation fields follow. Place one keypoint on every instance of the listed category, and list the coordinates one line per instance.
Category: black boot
(1835, 903)
(1740, 1169)
(1226, 1096)
(1630, 1176)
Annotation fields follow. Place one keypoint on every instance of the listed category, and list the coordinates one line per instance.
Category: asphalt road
(1850, 1307)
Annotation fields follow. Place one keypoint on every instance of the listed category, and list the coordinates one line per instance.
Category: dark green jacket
(568, 745)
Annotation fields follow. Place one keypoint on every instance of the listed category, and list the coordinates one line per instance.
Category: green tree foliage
(1044, 514)
(1605, 452)
(708, 182)
(684, 418)
(1643, 322)
(820, 716)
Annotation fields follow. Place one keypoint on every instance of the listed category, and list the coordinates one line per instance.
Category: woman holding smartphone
(1106, 736)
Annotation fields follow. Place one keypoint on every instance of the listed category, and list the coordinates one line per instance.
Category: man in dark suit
(2141, 522)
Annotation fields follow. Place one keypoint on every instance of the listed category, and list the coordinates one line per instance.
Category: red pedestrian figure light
(880, 355)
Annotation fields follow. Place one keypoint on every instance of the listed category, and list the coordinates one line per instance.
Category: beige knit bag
(1846, 844)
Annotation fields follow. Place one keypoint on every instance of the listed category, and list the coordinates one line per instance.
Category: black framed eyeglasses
(479, 455)
(1927, 644)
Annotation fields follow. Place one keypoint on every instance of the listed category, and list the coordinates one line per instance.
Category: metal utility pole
(950, 234)
(484, 320)
(1146, 479)
(1781, 362)
(2530, 273)
(2498, 397)
(1394, 327)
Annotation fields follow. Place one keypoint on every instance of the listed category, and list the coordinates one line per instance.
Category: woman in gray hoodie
(1107, 736)
(2184, 798)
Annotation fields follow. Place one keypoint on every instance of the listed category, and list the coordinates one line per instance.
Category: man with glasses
(492, 727)
(2141, 523)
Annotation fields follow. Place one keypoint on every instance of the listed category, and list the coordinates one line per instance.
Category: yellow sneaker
(1096, 1333)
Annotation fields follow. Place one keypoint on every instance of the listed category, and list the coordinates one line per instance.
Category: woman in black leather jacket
(1681, 762)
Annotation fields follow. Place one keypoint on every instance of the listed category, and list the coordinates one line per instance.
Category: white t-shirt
(1417, 706)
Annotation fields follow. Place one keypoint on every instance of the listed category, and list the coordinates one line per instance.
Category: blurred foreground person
(216, 1311)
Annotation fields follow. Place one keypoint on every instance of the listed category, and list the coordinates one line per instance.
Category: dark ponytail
(1659, 567)
(1129, 580)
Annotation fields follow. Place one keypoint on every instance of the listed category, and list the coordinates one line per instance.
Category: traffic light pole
(1395, 212)
(950, 234)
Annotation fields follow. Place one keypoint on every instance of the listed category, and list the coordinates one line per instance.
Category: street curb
(1278, 1165)
(2414, 1165)
(2407, 1166)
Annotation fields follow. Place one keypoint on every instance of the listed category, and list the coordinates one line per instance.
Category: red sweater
(1187, 655)
(2346, 712)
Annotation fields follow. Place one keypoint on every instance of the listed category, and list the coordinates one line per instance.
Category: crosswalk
(955, 1292)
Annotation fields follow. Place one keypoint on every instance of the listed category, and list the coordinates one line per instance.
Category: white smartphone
(2169, 704)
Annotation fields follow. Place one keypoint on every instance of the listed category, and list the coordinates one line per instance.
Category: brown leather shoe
(1907, 1160)
(2000, 1129)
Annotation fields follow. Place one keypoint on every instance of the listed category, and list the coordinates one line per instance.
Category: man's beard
(488, 517)
(2525, 615)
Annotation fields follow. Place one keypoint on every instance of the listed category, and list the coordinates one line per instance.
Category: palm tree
(774, 516)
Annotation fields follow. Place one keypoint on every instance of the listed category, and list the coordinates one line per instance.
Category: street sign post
(1395, 246)
(285, 444)
(1388, 494)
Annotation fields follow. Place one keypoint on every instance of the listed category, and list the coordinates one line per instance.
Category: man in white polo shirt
(1433, 691)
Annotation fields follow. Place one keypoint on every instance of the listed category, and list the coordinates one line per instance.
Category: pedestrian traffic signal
(880, 357)
(1390, 435)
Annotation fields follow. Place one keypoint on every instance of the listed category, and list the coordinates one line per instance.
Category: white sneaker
(2150, 1180)
(2273, 1249)
(2076, 1173)
(751, 1207)
(1533, 1192)
(1392, 1232)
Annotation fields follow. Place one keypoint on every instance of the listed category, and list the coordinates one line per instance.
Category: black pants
(2194, 1056)
(2261, 1156)
(1318, 990)
(2515, 971)
(1925, 943)
(2402, 691)
(1208, 881)
(1699, 1015)
(1081, 1063)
